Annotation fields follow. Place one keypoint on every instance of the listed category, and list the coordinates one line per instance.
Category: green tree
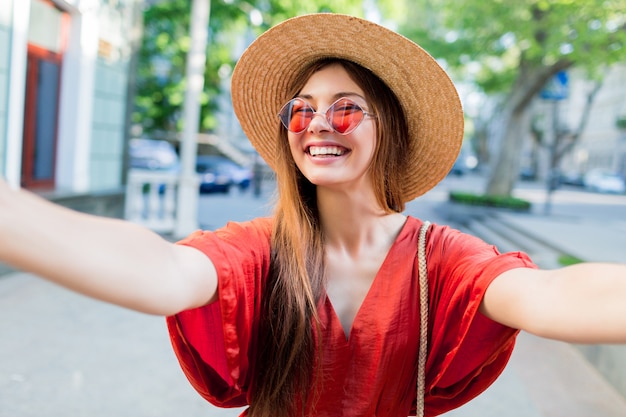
(162, 59)
(514, 49)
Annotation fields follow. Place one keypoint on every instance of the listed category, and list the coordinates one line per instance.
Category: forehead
(332, 80)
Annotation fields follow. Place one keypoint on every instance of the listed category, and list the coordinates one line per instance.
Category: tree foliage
(162, 62)
(514, 48)
(490, 41)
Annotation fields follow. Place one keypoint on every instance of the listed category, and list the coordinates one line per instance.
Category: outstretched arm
(583, 303)
(108, 259)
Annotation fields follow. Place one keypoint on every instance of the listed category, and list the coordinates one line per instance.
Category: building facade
(602, 142)
(65, 71)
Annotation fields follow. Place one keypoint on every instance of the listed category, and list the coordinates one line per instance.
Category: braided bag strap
(423, 347)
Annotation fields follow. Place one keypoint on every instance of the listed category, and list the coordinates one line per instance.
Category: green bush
(566, 260)
(505, 202)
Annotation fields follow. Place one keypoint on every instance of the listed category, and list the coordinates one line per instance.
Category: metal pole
(187, 203)
(551, 181)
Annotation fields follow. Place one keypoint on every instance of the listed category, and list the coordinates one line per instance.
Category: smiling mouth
(326, 151)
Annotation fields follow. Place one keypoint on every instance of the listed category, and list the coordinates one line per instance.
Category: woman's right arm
(108, 259)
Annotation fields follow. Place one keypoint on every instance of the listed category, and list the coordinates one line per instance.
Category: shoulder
(259, 227)
(444, 237)
(453, 255)
(248, 239)
(256, 228)
(461, 264)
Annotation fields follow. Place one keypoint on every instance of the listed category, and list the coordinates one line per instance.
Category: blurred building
(65, 71)
(602, 142)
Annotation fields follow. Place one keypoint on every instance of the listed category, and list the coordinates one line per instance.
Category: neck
(353, 221)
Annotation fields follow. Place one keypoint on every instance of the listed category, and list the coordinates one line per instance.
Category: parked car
(527, 174)
(153, 154)
(238, 176)
(458, 168)
(465, 162)
(572, 178)
(604, 182)
(214, 177)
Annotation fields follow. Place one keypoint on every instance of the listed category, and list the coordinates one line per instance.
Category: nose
(319, 123)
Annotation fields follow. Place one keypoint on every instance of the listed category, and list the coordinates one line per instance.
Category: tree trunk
(516, 118)
(506, 169)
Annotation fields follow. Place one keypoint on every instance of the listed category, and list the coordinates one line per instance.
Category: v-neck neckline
(335, 316)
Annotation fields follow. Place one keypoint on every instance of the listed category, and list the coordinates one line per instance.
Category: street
(66, 355)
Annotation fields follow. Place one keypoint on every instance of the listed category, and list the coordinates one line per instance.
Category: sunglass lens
(344, 115)
(296, 115)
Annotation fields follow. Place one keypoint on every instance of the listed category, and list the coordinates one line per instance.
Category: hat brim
(434, 114)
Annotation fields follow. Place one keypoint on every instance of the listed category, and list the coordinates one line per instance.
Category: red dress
(374, 371)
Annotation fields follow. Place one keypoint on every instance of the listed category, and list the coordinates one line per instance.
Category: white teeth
(325, 150)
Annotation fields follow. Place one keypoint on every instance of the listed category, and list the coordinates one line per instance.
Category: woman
(316, 311)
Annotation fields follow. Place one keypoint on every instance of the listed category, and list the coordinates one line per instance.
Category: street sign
(557, 88)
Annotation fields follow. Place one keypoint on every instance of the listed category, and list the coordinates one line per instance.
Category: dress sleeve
(467, 350)
(213, 343)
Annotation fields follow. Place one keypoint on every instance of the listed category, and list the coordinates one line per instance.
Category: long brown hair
(286, 369)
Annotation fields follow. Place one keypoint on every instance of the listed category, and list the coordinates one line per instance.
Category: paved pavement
(62, 354)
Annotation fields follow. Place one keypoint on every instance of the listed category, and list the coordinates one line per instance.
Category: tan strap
(423, 348)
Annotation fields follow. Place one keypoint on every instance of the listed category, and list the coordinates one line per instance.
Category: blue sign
(557, 88)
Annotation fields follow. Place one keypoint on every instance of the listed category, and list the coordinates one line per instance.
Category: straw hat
(430, 102)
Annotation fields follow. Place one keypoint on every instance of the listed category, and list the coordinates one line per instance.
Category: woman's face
(325, 157)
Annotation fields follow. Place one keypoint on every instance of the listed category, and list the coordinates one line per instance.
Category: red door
(43, 75)
(46, 43)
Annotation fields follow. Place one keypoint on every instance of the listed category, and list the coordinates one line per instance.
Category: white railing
(151, 199)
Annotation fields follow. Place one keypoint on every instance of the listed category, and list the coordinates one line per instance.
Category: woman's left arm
(583, 303)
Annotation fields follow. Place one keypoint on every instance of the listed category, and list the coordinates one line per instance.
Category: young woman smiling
(338, 304)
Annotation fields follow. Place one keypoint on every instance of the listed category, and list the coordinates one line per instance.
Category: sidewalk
(545, 378)
(65, 355)
(588, 226)
(591, 240)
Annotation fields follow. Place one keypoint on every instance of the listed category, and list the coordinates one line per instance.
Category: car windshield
(153, 155)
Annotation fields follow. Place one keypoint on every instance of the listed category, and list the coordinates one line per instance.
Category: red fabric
(374, 371)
